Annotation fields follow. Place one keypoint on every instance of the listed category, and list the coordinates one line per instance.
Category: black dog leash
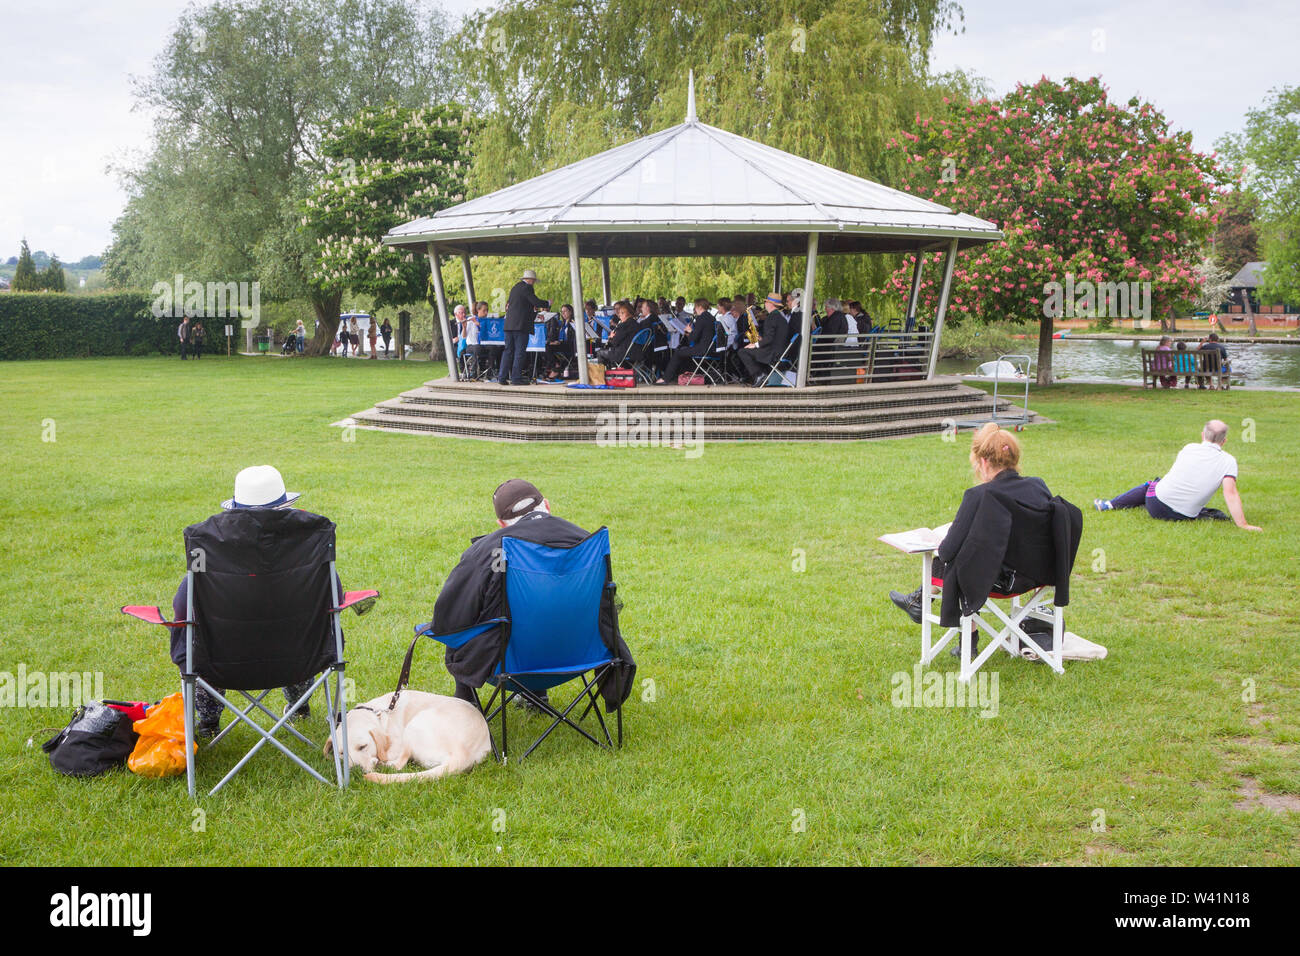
(405, 676)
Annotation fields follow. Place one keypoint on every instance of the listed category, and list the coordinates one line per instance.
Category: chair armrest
(357, 597)
(459, 638)
(151, 614)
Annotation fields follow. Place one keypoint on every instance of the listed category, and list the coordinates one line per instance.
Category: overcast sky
(66, 105)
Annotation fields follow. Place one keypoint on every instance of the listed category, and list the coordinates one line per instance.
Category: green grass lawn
(771, 700)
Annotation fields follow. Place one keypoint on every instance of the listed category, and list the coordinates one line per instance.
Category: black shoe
(207, 731)
(910, 603)
(974, 647)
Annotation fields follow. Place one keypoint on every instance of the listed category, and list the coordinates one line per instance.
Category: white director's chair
(1038, 604)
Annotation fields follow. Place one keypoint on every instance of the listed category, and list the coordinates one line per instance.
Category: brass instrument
(751, 333)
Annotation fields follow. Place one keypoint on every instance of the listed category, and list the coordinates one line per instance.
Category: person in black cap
(475, 589)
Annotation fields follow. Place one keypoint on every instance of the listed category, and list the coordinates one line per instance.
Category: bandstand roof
(691, 190)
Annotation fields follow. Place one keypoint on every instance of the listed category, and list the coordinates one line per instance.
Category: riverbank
(1149, 335)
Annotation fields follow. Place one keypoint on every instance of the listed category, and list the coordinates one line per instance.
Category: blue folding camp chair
(552, 616)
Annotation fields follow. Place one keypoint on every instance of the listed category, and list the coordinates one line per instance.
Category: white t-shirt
(471, 330)
(1195, 476)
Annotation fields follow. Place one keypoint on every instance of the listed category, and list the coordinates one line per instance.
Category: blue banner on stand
(537, 341)
(492, 330)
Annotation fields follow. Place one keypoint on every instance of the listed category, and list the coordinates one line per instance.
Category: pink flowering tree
(1094, 199)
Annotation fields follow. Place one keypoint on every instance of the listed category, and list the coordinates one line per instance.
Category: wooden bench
(1163, 369)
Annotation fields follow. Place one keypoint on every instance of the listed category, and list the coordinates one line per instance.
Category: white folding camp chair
(1038, 604)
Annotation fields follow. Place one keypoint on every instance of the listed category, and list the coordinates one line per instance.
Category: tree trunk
(327, 316)
(1251, 328)
(1046, 327)
(1173, 320)
(437, 352)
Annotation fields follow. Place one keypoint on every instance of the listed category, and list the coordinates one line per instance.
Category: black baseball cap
(515, 497)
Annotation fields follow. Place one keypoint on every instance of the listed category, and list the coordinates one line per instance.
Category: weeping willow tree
(830, 80)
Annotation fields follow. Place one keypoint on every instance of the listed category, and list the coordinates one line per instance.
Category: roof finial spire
(690, 97)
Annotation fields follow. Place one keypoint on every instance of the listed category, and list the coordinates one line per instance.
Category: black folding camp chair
(263, 612)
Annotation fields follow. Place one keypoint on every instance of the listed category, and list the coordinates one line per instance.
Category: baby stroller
(290, 346)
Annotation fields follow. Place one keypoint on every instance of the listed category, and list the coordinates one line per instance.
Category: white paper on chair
(917, 540)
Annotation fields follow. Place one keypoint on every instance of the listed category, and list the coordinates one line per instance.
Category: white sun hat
(529, 274)
(260, 487)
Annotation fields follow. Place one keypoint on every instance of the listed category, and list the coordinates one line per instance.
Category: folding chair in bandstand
(634, 357)
(711, 364)
(262, 612)
(555, 598)
(786, 358)
(1006, 628)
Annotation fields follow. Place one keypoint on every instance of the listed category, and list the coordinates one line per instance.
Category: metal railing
(873, 357)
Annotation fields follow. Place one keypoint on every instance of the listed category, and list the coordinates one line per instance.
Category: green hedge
(45, 325)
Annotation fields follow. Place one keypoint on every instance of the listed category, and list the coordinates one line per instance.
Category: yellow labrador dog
(444, 734)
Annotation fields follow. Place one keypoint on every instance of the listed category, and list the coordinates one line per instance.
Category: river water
(1265, 365)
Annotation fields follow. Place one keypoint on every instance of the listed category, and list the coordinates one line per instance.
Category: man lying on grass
(1185, 489)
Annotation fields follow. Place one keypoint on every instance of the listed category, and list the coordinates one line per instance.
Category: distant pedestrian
(373, 333)
(183, 334)
(354, 335)
(386, 330)
(300, 333)
(198, 335)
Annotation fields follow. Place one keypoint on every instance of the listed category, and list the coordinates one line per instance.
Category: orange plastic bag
(160, 751)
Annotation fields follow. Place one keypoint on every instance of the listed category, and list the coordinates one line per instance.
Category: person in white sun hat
(260, 486)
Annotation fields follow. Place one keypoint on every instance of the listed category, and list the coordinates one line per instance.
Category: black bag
(97, 739)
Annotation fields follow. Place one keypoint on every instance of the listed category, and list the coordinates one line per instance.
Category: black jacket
(835, 324)
(622, 337)
(1012, 522)
(773, 340)
(522, 306)
(475, 592)
(700, 341)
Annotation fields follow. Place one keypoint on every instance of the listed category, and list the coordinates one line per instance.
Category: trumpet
(751, 333)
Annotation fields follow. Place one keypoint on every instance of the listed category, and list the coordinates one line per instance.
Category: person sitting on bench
(1003, 500)
(1197, 473)
(1212, 344)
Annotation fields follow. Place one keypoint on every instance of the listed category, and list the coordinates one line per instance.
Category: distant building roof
(1248, 276)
